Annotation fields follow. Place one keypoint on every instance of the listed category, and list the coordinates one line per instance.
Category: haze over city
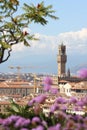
(71, 29)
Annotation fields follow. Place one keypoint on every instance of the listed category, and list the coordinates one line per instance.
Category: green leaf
(15, 107)
(5, 45)
(26, 43)
(9, 25)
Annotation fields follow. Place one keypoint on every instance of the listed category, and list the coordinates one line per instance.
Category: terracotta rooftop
(16, 85)
(81, 85)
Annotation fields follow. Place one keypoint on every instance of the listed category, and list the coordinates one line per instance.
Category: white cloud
(18, 47)
(75, 42)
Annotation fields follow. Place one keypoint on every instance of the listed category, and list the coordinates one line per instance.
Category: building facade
(18, 89)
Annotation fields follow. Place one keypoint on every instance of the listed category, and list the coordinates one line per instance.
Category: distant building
(66, 82)
(17, 89)
(62, 59)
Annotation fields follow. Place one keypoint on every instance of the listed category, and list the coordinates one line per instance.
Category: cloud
(76, 41)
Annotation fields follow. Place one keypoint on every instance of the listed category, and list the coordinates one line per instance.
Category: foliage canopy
(12, 23)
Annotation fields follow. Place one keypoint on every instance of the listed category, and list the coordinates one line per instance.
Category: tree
(12, 24)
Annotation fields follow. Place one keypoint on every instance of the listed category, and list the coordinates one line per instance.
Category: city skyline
(71, 29)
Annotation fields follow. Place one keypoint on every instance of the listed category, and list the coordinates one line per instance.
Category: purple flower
(64, 107)
(80, 103)
(30, 103)
(47, 83)
(14, 118)
(7, 122)
(70, 125)
(82, 73)
(62, 116)
(80, 126)
(60, 100)
(54, 107)
(44, 123)
(22, 122)
(26, 122)
(47, 88)
(19, 122)
(77, 118)
(1, 121)
(38, 128)
(84, 100)
(56, 127)
(37, 109)
(73, 100)
(39, 99)
(36, 120)
(5, 128)
(24, 129)
(54, 90)
(85, 121)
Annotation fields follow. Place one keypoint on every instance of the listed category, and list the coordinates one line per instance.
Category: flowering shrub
(58, 117)
(63, 114)
(47, 84)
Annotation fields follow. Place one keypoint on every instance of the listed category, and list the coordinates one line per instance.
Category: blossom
(37, 109)
(1, 120)
(44, 123)
(22, 122)
(47, 83)
(54, 90)
(38, 128)
(39, 99)
(80, 103)
(24, 129)
(5, 128)
(60, 100)
(56, 127)
(77, 118)
(84, 100)
(35, 120)
(85, 121)
(7, 122)
(62, 116)
(73, 100)
(54, 107)
(25, 31)
(31, 102)
(64, 108)
(70, 125)
(14, 118)
(82, 73)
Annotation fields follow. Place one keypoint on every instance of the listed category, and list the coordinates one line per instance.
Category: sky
(70, 28)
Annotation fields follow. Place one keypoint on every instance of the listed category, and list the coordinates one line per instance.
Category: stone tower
(62, 59)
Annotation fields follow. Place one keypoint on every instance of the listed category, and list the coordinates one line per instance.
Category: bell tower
(61, 59)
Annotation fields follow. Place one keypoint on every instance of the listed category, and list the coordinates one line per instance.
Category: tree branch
(3, 60)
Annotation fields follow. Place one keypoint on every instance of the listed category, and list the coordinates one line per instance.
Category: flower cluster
(48, 86)
(62, 113)
(82, 73)
(59, 116)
